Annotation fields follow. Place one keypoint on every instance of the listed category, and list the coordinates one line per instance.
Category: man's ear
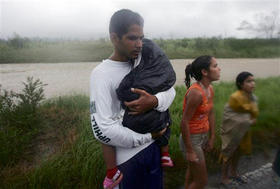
(114, 37)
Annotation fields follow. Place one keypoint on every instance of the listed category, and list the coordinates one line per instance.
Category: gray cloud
(89, 19)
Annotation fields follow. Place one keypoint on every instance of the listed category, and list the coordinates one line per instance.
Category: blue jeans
(143, 171)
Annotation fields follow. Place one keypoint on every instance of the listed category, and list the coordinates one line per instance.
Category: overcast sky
(89, 19)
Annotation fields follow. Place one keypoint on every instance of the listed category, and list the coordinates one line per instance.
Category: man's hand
(144, 103)
(155, 135)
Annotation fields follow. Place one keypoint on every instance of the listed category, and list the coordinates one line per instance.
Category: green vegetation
(222, 48)
(70, 157)
(18, 120)
(25, 50)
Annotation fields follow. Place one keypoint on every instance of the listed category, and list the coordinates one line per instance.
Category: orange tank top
(199, 122)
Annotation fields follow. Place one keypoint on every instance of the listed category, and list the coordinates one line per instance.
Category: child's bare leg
(234, 164)
(113, 175)
(164, 149)
(109, 155)
(225, 168)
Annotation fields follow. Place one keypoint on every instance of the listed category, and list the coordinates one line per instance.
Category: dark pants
(143, 171)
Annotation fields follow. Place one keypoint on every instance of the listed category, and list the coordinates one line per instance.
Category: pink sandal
(111, 183)
(166, 161)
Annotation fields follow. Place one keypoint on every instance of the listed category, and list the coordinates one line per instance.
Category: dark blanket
(153, 74)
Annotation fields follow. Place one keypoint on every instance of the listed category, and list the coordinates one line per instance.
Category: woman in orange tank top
(198, 118)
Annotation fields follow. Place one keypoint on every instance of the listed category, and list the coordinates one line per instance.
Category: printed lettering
(107, 140)
(98, 133)
(95, 127)
(93, 122)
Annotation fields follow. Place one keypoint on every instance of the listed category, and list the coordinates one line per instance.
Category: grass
(77, 161)
(25, 50)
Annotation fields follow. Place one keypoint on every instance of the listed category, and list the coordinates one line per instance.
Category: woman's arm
(194, 99)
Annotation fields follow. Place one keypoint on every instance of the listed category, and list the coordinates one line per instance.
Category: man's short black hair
(122, 20)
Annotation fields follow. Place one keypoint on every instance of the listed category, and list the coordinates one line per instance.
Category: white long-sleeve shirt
(106, 112)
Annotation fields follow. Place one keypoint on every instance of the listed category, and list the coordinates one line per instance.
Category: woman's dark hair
(241, 77)
(193, 70)
(122, 20)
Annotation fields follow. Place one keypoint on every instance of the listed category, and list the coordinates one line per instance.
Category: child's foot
(111, 183)
(166, 161)
(239, 179)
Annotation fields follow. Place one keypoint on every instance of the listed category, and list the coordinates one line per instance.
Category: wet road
(256, 169)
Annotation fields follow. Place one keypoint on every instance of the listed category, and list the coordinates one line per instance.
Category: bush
(19, 119)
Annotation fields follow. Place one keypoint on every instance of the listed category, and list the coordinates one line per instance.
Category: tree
(18, 42)
(264, 25)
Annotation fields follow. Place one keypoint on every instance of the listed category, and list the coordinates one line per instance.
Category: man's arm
(165, 99)
(105, 117)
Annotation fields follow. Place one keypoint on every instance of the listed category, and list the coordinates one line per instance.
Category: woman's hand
(254, 120)
(209, 145)
(192, 157)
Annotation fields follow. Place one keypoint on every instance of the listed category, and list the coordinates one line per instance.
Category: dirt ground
(71, 78)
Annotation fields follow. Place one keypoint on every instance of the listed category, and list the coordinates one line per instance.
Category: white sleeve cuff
(165, 99)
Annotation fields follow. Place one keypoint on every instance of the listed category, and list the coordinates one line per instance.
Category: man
(137, 155)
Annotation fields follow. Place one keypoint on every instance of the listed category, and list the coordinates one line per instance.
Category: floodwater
(73, 78)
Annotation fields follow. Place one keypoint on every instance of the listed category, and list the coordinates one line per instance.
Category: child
(198, 121)
(239, 114)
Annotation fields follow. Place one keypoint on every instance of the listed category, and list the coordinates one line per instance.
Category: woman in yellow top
(239, 114)
(198, 118)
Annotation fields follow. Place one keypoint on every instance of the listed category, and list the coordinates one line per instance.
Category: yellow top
(240, 101)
